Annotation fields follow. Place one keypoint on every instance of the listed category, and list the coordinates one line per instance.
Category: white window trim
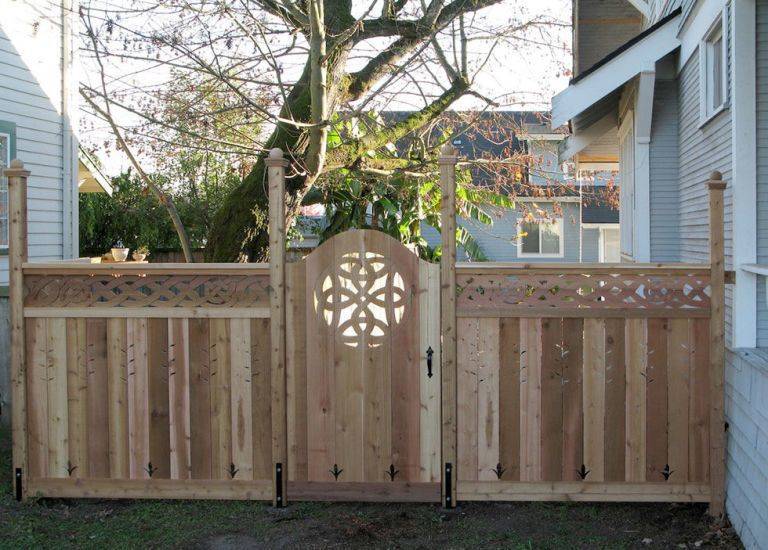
(561, 243)
(719, 25)
(7, 164)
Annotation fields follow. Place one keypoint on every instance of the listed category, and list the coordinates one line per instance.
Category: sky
(523, 76)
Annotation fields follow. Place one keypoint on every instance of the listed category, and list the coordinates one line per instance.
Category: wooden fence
(364, 373)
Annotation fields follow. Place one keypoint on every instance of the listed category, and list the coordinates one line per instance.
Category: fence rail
(268, 381)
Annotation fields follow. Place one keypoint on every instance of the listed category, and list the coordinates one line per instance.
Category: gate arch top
(362, 285)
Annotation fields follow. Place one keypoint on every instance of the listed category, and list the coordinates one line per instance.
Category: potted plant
(141, 253)
(119, 252)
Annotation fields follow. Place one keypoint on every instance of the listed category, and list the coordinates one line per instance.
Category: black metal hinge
(279, 502)
(17, 479)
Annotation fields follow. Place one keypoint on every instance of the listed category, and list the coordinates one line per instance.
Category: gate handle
(429, 361)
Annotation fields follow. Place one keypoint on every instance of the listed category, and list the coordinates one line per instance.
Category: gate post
(276, 165)
(447, 161)
(17, 255)
(717, 345)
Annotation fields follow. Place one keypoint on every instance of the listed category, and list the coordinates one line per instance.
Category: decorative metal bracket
(499, 471)
(232, 470)
(279, 502)
(666, 472)
(70, 468)
(448, 502)
(430, 353)
(392, 472)
(17, 479)
(583, 472)
(150, 469)
(336, 471)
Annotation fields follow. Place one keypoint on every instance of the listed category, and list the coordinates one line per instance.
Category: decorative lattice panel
(583, 291)
(146, 291)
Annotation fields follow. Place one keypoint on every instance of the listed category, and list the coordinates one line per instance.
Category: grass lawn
(227, 525)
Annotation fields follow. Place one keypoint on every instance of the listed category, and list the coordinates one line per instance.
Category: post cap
(448, 154)
(16, 169)
(275, 157)
(716, 181)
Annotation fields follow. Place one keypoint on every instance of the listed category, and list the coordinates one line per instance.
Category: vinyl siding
(702, 149)
(664, 191)
(499, 241)
(601, 27)
(762, 165)
(31, 98)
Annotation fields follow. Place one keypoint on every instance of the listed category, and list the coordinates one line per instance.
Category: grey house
(667, 91)
(572, 223)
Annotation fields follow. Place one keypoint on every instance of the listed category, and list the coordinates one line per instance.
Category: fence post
(717, 345)
(447, 161)
(276, 165)
(17, 255)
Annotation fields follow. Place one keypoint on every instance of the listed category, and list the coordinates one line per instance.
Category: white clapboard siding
(32, 96)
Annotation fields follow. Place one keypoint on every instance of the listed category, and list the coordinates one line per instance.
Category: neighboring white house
(38, 113)
(669, 91)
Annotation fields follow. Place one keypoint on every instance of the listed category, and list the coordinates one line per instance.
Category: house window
(7, 139)
(713, 60)
(541, 238)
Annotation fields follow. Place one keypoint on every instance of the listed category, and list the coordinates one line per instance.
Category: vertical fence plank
(656, 399)
(404, 359)
(594, 398)
(221, 425)
(200, 444)
(467, 352)
(678, 374)
(159, 429)
(98, 407)
(296, 373)
(551, 399)
(488, 399)
(636, 346)
(530, 400)
(447, 161)
(76, 395)
(117, 392)
(699, 413)
(37, 389)
(573, 412)
(242, 412)
(717, 344)
(261, 402)
(509, 398)
(276, 165)
(178, 396)
(615, 395)
(138, 399)
(58, 421)
(429, 387)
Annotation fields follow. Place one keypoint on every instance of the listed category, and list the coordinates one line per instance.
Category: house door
(363, 372)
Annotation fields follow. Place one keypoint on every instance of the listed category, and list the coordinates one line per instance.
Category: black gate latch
(430, 352)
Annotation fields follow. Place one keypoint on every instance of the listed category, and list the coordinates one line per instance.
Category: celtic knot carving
(361, 298)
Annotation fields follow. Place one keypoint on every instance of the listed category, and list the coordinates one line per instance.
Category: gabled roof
(616, 68)
(90, 178)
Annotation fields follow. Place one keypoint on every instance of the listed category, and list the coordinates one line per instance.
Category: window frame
(8, 130)
(561, 240)
(717, 30)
